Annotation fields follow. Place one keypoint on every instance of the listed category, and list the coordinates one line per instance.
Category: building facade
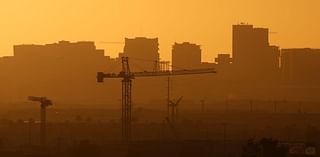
(253, 57)
(143, 53)
(300, 66)
(186, 56)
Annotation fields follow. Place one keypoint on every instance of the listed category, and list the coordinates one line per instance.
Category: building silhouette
(144, 53)
(253, 57)
(64, 48)
(300, 66)
(64, 71)
(186, 56)
(224, 66)
(223, 59)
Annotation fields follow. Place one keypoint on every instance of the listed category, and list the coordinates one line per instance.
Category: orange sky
(206, 22)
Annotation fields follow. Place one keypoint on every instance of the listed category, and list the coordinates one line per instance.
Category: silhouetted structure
(55, 70)
(186, 56)
(253, 57)
(162, 65)
(174, 110)
(224, 66)
(251, 72)
(44, 103)
(64, 48)
(264, 148)
(223, 59)
(127, 77)
(301, 66)
(143, 49)
(65, 71)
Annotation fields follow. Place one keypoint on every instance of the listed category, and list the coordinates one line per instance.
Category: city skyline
(173, 78)
(202, 53)
(254, 63)
(207, 23)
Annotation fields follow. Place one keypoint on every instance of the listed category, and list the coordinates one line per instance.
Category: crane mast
(126, 100)
(127, 77)
(44, 103)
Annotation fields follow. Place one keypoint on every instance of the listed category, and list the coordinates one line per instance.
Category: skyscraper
(186, 56)
(144, 53)
(253, 57)
(300, 66)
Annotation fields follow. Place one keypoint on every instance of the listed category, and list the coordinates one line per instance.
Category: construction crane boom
(127, 77)
(133, 75)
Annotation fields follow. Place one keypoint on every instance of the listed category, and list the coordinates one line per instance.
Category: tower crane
(44, 103)
(127, 76)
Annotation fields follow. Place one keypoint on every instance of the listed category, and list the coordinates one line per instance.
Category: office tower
(300, 66)
(253, 57)
(186, 56)
(143, 53)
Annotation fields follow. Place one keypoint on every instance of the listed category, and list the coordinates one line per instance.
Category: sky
(205, 22)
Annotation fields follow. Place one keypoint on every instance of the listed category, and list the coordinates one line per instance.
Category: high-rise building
(143, 53)
(186, 56)
(253, 57)
(300, 66)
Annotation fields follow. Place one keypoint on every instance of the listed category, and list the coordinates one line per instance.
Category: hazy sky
(206, 22)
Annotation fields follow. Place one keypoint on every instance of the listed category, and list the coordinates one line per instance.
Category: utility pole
(174, 110)
(168, 98)
(172, 106)
(202, 106)
(30, 123)
(44, 103)
(225, 139)
(172, 128)
(300, 107)
(227, 106)
(276, 104)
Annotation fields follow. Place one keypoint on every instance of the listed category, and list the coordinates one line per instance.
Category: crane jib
(132, 75)
(172, 73)
(127, 77)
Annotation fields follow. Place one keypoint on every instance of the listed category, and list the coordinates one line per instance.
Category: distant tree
(266, 147)
(312, 134)
(251, 149)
